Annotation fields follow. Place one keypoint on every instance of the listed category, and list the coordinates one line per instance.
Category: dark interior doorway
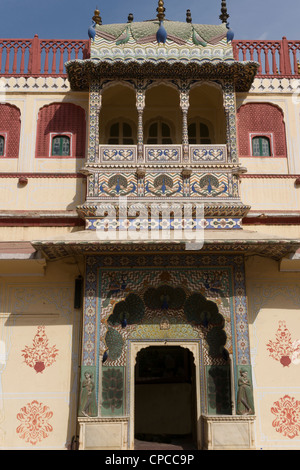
(165, 398)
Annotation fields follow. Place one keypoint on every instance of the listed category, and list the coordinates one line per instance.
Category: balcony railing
(162, 154)
(39, 57)
(46, 57)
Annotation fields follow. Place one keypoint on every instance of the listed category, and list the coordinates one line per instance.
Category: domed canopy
(145, 33)
(160, 48)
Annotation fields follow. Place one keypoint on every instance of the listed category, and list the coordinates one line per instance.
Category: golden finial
(97, 18)
(161, 10)
(188, 16)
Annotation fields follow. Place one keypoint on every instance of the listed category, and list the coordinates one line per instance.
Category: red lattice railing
(36, 57)
(276, 58)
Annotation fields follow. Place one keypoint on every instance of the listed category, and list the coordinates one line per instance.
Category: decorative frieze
(42, 84)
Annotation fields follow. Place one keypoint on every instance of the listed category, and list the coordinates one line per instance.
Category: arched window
(261, 146)
(2, 145)
(120, 133)
(159, 132)
(61, 131)
(261, 130)
(10, 129)
(199, 133)
(60, 146)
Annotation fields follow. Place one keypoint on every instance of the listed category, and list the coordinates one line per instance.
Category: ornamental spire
(224, 15)
(97, 18)
(161, 10)
(188, 16)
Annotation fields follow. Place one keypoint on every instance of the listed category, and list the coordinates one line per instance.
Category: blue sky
(61, 19)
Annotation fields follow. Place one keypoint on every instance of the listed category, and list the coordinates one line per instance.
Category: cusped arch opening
(165, 395)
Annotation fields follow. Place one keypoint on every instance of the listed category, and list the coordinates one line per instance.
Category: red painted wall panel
(10, 127)
(58, 118)
(261, 118)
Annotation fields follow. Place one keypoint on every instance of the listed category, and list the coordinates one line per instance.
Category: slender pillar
(230, 111)
(94, 119)
(185, 104)
(140, 105)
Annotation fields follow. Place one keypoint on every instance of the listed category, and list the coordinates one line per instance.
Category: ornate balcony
(164, 174)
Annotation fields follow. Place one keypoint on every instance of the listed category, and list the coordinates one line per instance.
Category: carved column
(185, 104)
(230, 111)
(140, 105)
(94, 119)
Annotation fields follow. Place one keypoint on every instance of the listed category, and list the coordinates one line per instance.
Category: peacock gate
(150, 238)
(165, 349)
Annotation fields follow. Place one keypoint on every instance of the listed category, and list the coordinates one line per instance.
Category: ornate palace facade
(150, 238)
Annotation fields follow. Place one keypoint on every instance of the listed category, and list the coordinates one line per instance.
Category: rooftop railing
(46, 57)
(276, 58)
(39, 57)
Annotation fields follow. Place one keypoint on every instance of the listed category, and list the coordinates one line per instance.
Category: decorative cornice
(40, 219)
(275, 249)
(124, 419)
(82, 72)
(262, 176)
(272, 220)
(36, 84)
(42, 175)
(231, 209)
(99, 167)
(41, 222)
(229, 418)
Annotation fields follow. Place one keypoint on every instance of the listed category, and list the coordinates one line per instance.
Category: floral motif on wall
(34, 425)
(40, 355)
(283, 349)
(287, 412)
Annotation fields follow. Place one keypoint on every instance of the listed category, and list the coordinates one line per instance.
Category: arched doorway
(165, 408)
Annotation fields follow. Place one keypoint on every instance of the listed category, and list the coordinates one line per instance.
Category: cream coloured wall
(283, 231)
(35, 233)
(273, 298)
(265, 165)
(273, 194)
(47, 193)
(27, 302)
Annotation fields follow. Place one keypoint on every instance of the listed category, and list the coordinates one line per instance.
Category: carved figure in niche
(245, 405)
(88, 405)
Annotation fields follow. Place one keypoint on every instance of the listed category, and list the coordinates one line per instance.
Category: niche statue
(88, 405)
(245, 405)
